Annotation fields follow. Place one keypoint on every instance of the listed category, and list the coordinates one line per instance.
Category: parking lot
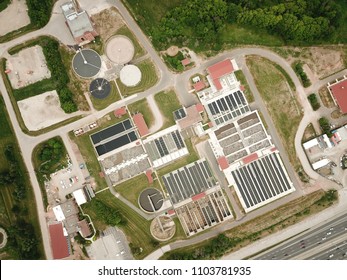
(112, 245)
(67, 180)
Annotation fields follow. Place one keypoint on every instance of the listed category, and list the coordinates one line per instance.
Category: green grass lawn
(241, 77)
(114, 96)
(149, 78)
(233, 35)
(282, 107)
(139, 51)
(168, 103)
(142, 106)
(132, 188)
(88, 152)
(26, 207)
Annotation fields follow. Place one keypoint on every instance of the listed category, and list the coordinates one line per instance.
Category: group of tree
(22, 241)
(297, 20)
(314, 101)
(108, 215)
(175, 61)
(325, 126)
(216, 248)
(51, 152)
(12, 175)
(59, 74)
(299, 70)
(39, 11)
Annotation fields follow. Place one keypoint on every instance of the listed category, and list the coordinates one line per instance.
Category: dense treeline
(108, 215)
(12, 176)
(39, 11)
(59, 75)
(299, 70)
(301, 21)
(23, 241)
(213, 250)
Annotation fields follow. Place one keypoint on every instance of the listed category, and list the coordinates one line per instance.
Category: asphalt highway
(336, 252)
(321, 236)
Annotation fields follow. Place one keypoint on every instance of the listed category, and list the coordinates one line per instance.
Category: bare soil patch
(336, 114)
(27, 67)
(326, 98)
(309, 133)
(14, 17)
(172, 51)
(107, 22)
(42, 110)
(322, 61)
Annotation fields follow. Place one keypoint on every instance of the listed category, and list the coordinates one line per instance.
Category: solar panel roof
(189, 180)
(262, 181)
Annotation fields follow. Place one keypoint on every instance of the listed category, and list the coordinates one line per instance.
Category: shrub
(314, 101)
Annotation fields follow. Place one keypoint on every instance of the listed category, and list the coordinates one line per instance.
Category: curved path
(166, 80)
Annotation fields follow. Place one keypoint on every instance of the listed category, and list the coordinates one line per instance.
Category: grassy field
(142, 106)
(132, 188)
(87, 150)
(149, 78)
(280, 103)
(114, 96)
(168, 103)
(234, 35)
(11, 207)
(136, 228)
(139, 51)
(262, 226)
(241, 77)
(309, 133)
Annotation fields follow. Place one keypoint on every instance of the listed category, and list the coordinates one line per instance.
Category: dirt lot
(16, 14)
(27, 67)
(322, 61)
(107, 22)
(42, 111)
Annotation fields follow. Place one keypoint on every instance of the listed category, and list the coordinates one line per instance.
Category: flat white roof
(309, 144)
(320, 163)
(58, 212)
(79, 196)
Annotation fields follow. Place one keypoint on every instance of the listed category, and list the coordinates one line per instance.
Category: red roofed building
(200, 107)
(198, 196)
(339, 93)
(199, 86)
(120, 112)
(149, 176)
(223, 163)
(219, 70)
(59, 242)
(185, 61)
(250, 158)
(141, 124)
